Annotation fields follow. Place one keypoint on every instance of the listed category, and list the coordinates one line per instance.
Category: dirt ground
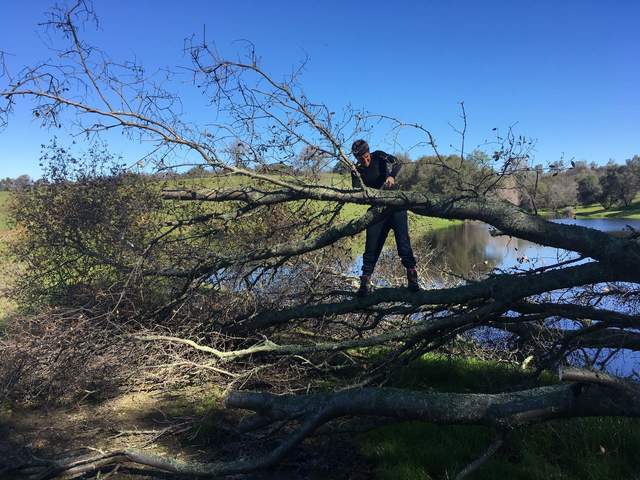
(184, 425)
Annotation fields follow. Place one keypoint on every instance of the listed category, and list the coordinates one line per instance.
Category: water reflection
(602, 224)
(461, 250)
(469, 250)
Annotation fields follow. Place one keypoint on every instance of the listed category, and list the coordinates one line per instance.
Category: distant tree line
(10, 184)
(564, 185)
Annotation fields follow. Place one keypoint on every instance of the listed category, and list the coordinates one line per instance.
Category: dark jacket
(382, 166)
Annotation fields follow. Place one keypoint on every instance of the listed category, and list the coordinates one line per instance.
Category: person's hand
(389, 182)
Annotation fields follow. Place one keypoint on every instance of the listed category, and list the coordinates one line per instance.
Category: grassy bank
(7, 306)
(418, 224)
(9, 270)
(632, 212)
(580, 449)
(596, 210)
(4, 200)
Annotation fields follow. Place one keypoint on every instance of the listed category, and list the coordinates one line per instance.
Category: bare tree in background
(248, 270)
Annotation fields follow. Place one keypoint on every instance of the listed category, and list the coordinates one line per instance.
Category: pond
(469, 250)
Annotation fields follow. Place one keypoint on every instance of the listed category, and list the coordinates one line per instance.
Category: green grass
(7, 306)
(8, 268)
(4, 200)
(580, 449)
(419, 225)
(632, 212)
(596, 210)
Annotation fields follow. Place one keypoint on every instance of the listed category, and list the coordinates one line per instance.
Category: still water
(469, 250)
(470, 247)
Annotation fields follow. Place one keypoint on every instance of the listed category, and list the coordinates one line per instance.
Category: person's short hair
(359, 147)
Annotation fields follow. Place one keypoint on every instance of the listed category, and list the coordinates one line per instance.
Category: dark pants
(377, 235)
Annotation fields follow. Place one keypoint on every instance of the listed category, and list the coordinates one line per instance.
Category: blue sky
(566, 73)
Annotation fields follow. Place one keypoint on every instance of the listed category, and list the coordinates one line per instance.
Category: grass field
(418, 224)
(580, 449)
(7, 306)
(4, 199)
(632, 212)
(9, 270)
(596, 210)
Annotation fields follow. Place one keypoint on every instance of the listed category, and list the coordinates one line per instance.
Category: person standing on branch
(378, 170)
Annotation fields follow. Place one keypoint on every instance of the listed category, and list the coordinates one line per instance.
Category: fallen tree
(242, 274)
(591, 395)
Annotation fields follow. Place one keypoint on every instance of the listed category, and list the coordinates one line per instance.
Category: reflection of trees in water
(470, 250)
(458, 250)
(467, 250)
(443, 255)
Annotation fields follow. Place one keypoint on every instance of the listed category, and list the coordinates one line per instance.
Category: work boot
(412, 280)
(365, 286)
